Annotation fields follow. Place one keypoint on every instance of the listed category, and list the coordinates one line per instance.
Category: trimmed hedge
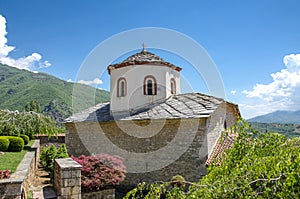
(25, 138)
(16, 144)
(4, 143)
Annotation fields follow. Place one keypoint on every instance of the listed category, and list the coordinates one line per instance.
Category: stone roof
(190, 105)
(141, 58)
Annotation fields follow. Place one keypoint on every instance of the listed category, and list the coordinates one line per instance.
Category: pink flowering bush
(100, 171)
(4, 174)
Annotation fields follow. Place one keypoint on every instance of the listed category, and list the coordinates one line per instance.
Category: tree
(260, 165)
(28, 123)
(33, 106)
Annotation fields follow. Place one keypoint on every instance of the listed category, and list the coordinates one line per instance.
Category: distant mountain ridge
(283, 117)
(19, 87)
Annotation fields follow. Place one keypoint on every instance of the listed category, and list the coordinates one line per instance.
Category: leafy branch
(28, 123)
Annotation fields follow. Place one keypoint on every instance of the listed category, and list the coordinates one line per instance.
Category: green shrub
(16, 144)
(25, 138)
(178, 181)
(4, 143)
(48, 155)
(62, 152)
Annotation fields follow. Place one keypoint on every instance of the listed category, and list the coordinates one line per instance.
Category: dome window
(173, 86)
(150, 86)
(121, 87)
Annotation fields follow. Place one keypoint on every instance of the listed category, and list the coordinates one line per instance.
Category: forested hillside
(282, 117)
(289, 130)
(20, 87)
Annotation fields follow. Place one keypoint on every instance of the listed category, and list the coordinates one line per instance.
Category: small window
(150, 86)
(173, 86)
(121, 87)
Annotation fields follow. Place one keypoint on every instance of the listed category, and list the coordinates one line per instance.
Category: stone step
(43, 193)
(49, 193)
(37, 194)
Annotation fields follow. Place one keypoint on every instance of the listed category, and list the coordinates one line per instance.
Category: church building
(159, 131)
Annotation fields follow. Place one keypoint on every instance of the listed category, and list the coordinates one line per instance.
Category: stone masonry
(186, 125)
(190, 164)
(67, 178)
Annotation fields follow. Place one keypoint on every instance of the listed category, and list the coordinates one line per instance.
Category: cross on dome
(144, 47)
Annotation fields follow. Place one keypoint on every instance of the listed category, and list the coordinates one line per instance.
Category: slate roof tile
(189, 105)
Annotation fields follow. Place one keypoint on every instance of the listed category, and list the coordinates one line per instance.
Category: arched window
(121, 87)
(173, 86)
(150, 86)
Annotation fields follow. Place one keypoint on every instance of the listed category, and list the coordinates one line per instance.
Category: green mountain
(19, 87)
(289, 130)
(283, 117)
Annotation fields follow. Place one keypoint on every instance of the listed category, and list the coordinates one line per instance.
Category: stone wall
(45, 139)
(185, 142)
(18, 184)
(223, 117)
(67, 178)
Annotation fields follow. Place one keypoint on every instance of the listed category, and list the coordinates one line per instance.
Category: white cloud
(233, 92)
(95, 81)
(292, 62)
(69, 80)
(30, 62)
(44, 64)
(283, 93)
(253, 109)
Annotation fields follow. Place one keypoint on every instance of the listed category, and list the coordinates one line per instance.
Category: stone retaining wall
(18, 184)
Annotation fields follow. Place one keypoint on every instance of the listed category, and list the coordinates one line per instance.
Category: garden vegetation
(100, 171)
(49, 154)
(15, 123)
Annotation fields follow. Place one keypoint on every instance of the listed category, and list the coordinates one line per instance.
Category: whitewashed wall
(134, 76)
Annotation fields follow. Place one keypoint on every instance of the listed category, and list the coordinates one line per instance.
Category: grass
(11, 160)
(29, 194)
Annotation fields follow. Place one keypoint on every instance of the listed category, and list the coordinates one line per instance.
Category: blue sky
(254, 44)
